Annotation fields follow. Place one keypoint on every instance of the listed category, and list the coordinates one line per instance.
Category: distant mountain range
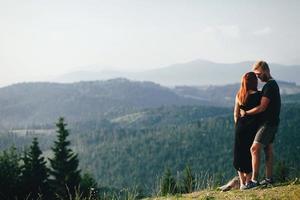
(195, 73)
(224, 95)
(127, 132)
(28, 104)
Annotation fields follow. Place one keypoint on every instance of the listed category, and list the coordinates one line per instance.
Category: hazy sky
(44, 38)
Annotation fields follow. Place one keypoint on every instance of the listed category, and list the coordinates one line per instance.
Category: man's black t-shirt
(271, 114)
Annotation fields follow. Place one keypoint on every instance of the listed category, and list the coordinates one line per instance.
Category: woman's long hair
(249, 82)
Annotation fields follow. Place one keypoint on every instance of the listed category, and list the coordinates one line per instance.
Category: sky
(40, 39)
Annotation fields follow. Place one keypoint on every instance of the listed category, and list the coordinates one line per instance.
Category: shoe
(267, 181)
(251, 185)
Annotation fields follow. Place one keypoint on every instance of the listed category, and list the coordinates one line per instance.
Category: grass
(130, 118)
(285, 191)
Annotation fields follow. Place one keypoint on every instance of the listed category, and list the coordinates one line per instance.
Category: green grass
(286, 191)
(130, 118)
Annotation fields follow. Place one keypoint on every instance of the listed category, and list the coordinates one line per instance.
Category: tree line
(135, 154)
(26, 175)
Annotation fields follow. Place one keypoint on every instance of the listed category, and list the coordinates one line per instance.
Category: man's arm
(264, 102)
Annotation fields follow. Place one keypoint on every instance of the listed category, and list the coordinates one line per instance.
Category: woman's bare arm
(236, 112)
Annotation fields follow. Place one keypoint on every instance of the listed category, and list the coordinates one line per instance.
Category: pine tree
(88, 185)
(64, 166)
(34, 176)
(168, 184)
(188, 180)
(9, 174)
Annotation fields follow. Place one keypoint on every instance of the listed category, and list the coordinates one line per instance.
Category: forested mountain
(134, 152)
(293, 98)
(205, 143)
(29, 104)
(168, 116)
(127, 133)
(224, 95)
(26, 104)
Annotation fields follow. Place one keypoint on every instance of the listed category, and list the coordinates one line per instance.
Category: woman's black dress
(245, 130)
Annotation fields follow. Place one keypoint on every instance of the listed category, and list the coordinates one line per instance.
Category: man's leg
(269, 160)
(255, 153)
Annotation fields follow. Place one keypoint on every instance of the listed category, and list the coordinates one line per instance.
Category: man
(270, 109)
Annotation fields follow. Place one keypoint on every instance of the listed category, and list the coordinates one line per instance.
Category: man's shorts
(266, 134)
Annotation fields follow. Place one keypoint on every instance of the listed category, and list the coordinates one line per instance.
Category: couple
(256, 116)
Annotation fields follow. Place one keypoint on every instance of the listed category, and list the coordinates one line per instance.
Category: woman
(245, 127)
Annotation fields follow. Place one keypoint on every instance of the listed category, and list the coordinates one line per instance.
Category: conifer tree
(34, 176)
(88, 185)
(168, 184)
(9, 174)
(188, 180)
(64, 170)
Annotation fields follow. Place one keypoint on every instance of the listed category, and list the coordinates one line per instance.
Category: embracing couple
(256, 116)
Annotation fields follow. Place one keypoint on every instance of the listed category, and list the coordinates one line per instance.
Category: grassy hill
(288, 191)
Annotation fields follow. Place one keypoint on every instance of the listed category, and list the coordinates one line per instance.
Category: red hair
(249, 82)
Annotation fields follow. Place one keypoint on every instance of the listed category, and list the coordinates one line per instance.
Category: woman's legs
(242, 178)
(248, 177)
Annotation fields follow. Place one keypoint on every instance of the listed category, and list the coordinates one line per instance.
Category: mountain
(293, 98)
(197, 72)
(225, 95)
(165, 116)
(136, 152)
(194, 73)
(89, 75)
(28, 104)
(122, 153)
(127, 133)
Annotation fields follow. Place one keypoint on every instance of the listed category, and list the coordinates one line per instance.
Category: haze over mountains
(27, 104)
(127, 132)
(41, 103)
(197, 72)
(91, 95)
